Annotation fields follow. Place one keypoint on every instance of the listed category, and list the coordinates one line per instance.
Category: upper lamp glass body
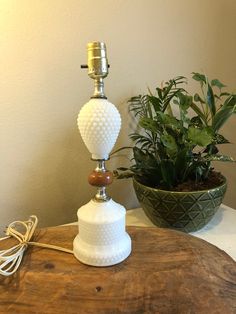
(99, 124)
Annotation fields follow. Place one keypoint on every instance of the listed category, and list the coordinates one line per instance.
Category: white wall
(44, 164)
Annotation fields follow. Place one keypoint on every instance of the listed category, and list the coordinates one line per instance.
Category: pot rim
(180, 192)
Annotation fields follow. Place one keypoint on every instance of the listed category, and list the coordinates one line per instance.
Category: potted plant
(172, 171)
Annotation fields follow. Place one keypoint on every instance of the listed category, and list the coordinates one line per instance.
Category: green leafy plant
(172, 149)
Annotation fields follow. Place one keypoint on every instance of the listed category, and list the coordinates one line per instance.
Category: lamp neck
(99, 88)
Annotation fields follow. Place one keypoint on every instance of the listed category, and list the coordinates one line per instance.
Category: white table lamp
(102, 239)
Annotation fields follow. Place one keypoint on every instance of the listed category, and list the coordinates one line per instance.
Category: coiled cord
(10, 259)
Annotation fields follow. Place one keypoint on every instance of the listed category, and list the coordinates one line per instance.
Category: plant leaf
(199, 112)
(199, 136)
(168, 173)
(149, 124)
(218, 157)
(182, 162)
(222, 116)
(217, 83)
(196, 121)
(211, 149)
(230, 101)
(169, 142)
(166, 119)
(155, 102)
(198, 98)
(224, 94)
(220, 139)
(185, 101)
(199, 77)
(159, 92)
(122, 175)
(211, 100)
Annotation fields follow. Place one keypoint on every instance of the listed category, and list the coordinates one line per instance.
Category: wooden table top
(167, 272)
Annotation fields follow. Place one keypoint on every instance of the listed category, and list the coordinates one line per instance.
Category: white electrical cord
(10, 259)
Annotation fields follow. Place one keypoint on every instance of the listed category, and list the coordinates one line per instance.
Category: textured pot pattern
(184, 211)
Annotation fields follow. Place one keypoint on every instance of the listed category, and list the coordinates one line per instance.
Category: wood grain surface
(167, 272)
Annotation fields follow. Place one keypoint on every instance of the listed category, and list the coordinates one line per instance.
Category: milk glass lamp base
(102, 239)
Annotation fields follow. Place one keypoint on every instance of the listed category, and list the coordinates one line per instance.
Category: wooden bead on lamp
(100, 178)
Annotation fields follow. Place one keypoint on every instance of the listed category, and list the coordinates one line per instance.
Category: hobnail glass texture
(102, 239)
(99, 124)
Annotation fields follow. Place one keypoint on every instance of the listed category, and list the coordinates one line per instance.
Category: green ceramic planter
(184, 211)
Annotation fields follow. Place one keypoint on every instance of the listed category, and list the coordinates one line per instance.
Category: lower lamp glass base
(102, 239)
(102, 256)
